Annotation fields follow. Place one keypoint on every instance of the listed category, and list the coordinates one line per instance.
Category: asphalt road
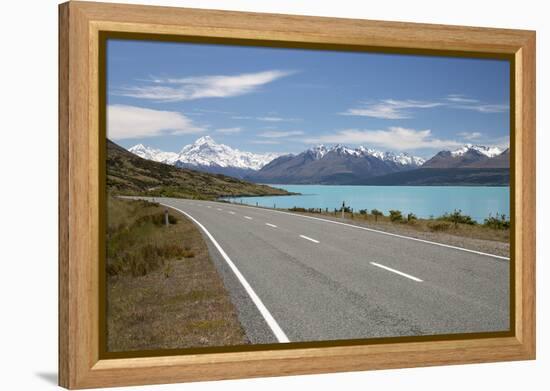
(317, 280)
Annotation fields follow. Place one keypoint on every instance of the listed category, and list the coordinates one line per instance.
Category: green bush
(376, 213)
(411, 217)
(497, 222)
(395, 215)
(457, 218)
(363, 211)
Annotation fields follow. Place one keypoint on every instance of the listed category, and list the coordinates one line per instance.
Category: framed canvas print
(247, 195)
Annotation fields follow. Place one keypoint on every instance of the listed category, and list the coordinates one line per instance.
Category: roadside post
(166, 221)
(343, 208)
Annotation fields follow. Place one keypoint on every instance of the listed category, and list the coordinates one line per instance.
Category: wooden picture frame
(80, 167)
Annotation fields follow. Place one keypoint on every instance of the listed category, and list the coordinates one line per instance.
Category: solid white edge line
(383, 232)
(248, 217)
(397, 272)
(270, 320)
(308, 238)
(271, 225)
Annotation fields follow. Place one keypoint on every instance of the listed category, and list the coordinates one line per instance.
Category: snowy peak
(205, 152)
(153, 154)
(487, 151)
(469, 156)
(404, 159)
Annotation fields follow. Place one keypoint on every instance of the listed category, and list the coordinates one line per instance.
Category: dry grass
(176, 299)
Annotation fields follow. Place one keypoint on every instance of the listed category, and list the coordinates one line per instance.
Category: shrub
(497, 222)
(296, 209)
(457, 217)
(376, 213)
(411, 218)
(395, 215)
(363, 211)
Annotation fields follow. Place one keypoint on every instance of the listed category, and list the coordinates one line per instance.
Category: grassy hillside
(128, 174)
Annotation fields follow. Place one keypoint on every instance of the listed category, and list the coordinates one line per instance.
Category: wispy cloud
(393, 138)
(266, 142)
(470, 135)
(125, 122)
(265, 118)
(281, 134)
(199, 87)
(229, 130)
(484, 108)
(459, 98)
(390, 108)
(403, 109)
(459, 101)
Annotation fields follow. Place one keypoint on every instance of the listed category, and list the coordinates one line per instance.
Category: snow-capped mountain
(336, 164)
(319, 151)
(207, 155)
(154, 154)
(206, 152)
(468, 156)
(487, 151)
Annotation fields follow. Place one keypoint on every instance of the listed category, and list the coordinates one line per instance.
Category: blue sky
(166, 95)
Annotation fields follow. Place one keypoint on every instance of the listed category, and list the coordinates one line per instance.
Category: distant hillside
(445, 177)
(129, 174)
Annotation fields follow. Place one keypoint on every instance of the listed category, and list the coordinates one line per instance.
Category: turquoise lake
(424, 201)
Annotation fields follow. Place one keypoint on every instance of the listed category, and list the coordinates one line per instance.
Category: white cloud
(484, 108)
(390, 108)
(267, 142)
(229, 130)
(470, 135)
(280, 134)
(125, 122)
(267, 119)
(459, 98)
(393, 138)
(401, 109)
(459, 101)
(198, 87)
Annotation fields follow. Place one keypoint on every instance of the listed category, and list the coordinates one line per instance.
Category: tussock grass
(163, 291)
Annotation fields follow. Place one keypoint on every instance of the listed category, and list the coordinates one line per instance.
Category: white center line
(271, 225)
(308, 238)
(397, 272)
(231, 212)
(219, 209)
(208, 206)
(248, 217)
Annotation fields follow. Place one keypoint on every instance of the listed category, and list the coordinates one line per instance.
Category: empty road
(294, 278)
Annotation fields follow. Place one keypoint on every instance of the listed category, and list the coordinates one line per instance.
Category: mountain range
(208, 156)
(341, 165)
(334, 165)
